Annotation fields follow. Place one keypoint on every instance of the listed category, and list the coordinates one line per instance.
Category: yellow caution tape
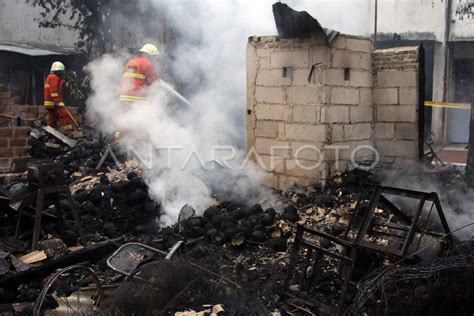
(448, 105)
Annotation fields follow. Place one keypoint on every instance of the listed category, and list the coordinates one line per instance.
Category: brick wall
(14, 148)
(29, 112)
(14, 141)
(396, 98)
(301, 128)
(6, 98)
(8, 107)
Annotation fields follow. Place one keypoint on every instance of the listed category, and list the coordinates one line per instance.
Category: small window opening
(347, 74)
(287, 72)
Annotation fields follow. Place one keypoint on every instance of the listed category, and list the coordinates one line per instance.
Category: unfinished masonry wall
(317, 119)
(396, 98)
(303, 125)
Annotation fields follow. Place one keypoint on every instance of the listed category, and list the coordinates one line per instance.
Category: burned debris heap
(71, 234)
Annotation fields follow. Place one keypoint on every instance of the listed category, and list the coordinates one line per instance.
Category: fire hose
(25, 119)
(11, 117)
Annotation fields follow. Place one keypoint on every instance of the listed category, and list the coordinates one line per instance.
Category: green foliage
(465, 10)
(78, 87)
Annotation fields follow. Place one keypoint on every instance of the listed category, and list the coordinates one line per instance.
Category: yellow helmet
(150, 49)
(57, 66)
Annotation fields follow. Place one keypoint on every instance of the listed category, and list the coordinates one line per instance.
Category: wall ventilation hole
(287, 72)
(347, 74)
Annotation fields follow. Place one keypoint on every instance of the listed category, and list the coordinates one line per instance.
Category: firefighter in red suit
(53, 98)
(138, 75)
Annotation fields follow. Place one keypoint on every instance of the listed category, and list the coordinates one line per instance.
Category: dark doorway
(463, 93)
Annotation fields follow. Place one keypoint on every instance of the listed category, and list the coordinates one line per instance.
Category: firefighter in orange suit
(139, 73)
(53, 98)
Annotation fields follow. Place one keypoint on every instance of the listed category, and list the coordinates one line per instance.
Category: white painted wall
(17, 25)
(413, 19)
(421, 20)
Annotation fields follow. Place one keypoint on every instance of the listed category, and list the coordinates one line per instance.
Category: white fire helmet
(57, 66)
(150, 49)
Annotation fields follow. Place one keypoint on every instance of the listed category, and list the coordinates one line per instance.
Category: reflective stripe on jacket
(53, 91)
(139, 73)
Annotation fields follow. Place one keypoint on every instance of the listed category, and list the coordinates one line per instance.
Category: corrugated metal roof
(298, 24)
(31, 51)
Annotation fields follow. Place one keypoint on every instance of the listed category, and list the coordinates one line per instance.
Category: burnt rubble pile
(245, 247)
(249, 244)
(444, 286)
(250, 247)
(230, 253)
(180, 286)
(113, 209)
(79, 161)
(319, 206)
(105, 209)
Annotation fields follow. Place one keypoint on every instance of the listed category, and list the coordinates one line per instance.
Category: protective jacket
(54, 102)
(139, 73)
(53, 91)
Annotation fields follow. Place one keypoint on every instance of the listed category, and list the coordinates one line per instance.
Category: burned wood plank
(33, 257)
(93, 253)
(68, 141)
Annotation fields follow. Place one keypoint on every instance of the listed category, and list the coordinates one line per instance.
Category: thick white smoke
(172, 147)
(212, 37)
(208, 60)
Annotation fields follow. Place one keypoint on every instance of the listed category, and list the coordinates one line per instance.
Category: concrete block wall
(14, 149)
(349, 111)
(284, 111)
(302, 126)
(356, 102)
(396, 98)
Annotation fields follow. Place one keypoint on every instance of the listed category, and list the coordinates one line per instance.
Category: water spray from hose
(168, 88)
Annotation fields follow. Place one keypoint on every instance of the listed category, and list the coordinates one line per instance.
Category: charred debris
(87, 240)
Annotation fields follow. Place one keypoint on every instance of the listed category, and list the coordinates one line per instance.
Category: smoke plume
(206, 61)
